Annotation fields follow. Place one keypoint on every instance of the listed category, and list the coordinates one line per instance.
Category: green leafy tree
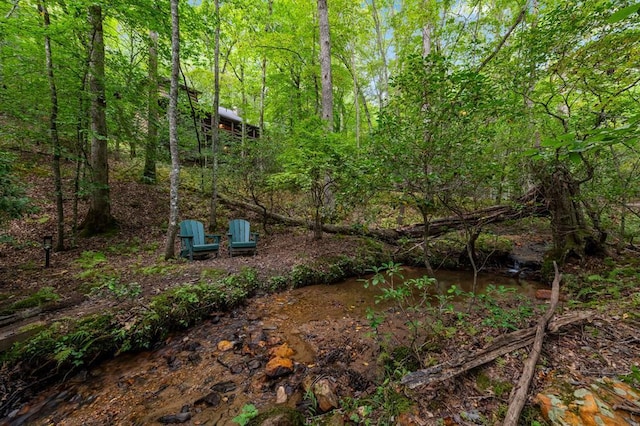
(428, 144)
(13, 202)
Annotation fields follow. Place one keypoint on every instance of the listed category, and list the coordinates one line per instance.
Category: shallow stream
(208, 373)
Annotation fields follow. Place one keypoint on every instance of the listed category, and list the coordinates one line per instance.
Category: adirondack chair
(241, 239)
(194, 242)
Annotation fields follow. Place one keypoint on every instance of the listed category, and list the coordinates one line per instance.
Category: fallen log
(526, 206)
(519, 393)
(500, 346)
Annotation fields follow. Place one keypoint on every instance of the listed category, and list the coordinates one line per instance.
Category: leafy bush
(13, 202)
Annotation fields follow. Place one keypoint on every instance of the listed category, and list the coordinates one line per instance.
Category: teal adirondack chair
(194, 242)
(241, 239)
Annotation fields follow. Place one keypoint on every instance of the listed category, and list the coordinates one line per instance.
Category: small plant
(313, 401)
(110, 285)
(501, 317)
(91, 259)
(42, 296)
(633, 378)
(249, 411)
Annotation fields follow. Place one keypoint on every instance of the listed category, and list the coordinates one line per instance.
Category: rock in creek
(175, 418)
(224, 387)
(212, 399)
(327, 399)
(278, 367)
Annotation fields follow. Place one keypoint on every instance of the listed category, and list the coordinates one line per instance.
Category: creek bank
(68, 344)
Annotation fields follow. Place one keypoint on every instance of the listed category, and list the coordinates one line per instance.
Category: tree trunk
(568, 226)
(384, 71)
(98, 217)
(325, 65)
(263, 77)
(215, 117)
(53, 130)
(172, 230)
(149, 173)
(327, 105)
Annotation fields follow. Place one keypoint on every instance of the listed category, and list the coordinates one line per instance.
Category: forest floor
(102, 271)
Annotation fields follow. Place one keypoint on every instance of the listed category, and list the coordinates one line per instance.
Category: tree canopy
(442, 107)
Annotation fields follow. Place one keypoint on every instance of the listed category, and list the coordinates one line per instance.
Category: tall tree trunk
(325, 65)
(356, 96)
(53, 130)
(149, 173)
(215, 117)
(263, 88)
(98, 217)
(172, 230)
(326, 103)
(384, 71)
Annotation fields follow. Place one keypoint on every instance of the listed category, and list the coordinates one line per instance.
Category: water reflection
(350, 297)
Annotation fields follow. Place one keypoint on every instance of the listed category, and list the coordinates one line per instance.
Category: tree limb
(519, 19)
(519, 394)
(501, 346)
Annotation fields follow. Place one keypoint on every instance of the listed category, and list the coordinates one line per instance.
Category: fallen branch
(526, 206)
(500, 346)
(519, 394)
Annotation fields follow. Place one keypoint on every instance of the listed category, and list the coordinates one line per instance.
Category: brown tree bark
(149, 173)
(172, 230)
(99, 218)
(520, 391)
(215, 118)
(53, 131)
(324, 201)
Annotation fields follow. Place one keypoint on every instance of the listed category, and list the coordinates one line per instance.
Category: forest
(365, 139)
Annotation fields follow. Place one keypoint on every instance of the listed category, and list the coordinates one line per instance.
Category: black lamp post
(47, 244)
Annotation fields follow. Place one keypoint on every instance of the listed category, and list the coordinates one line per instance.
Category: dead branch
(519, 394)
(500, 346)
(528, 205)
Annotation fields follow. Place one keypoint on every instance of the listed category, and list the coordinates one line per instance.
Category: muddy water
(206, 375)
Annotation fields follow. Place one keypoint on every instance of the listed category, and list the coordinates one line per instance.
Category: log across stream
(211, 371)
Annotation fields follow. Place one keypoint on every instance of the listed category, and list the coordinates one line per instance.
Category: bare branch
(517, 22)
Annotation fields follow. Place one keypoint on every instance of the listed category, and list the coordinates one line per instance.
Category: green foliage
(633, 378)
(39, 298)
(499, 388)
(90, 259)
(249, 411)
(13, 202)
(501, 317)
(414, 298)
(158, 269)
(380, 407)
(121, 291)
(68, 343)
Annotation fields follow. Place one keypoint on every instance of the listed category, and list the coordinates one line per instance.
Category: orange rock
(589, 410)
(545, 294)
(283, 351)
(279, 366)
(225, 345)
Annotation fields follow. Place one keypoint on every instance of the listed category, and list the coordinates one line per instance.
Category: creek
(205, 375)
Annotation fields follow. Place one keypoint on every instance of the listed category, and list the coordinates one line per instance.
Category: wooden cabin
(230, 121)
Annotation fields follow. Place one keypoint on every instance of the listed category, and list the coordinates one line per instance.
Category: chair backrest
(239, 230)
(195, 228)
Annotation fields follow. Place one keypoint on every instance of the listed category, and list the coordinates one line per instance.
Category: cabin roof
(229, 114)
